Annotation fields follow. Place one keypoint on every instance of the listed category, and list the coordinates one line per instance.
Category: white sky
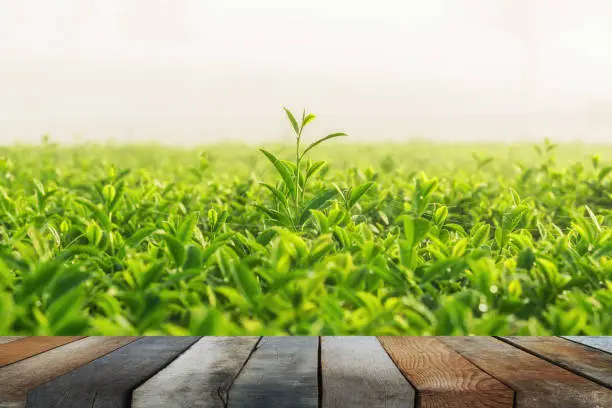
(200, 70)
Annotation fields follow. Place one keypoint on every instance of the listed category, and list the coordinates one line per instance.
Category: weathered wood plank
(442, 377)
(8, 339)
(282, 372)
(603, 343)
(108, 381)
(357, 372)
(30, 346)
(537, 382)
(18, 378)
(577, 358)
(199, 378)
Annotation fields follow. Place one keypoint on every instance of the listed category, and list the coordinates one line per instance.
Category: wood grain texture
(17, 379)
(26, 347)
(282, 372)
(199, 378)
(357, 372)
(442, 378)
(8, 339)
(537, 382)
(603, 343)
(577, 358)
(108, 381)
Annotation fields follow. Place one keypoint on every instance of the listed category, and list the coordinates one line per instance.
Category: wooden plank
(200, 377)
(8, 339)
(357, 372)
(282, 372)
(18, 378)
(108, 381)
(603, 343)
(577, 358)
(30, 346)
(442, 377)
(537, 382)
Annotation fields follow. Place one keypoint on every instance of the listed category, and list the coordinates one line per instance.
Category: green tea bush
(407, 239)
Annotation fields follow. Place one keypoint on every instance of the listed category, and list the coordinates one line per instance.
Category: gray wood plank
(603, 343)
(8, 339)
(357, 372)
(20, 377)
(282, 372)
(108, 381)
(537, 382)
(199, 378)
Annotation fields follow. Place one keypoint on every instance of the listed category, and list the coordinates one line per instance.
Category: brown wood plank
(357, 372)
(108, 382)
(8, 339)
(30, 346)
(19, 378)
(282, 372)
(577, 358)
(200, 377)
(442, 377)
(537, 382)
(603, 343)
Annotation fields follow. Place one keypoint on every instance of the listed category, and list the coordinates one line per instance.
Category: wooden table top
(308, 372)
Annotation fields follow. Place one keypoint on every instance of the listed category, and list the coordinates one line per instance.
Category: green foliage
(414, 239)
(296, 215)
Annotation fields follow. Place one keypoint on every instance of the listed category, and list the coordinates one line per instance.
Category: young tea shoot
(294, 211)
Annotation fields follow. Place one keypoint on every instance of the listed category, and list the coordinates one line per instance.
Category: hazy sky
(199, 70)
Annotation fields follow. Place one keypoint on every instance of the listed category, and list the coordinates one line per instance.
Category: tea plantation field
(407, 239)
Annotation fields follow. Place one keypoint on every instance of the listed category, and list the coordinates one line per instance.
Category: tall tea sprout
(293, 211)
